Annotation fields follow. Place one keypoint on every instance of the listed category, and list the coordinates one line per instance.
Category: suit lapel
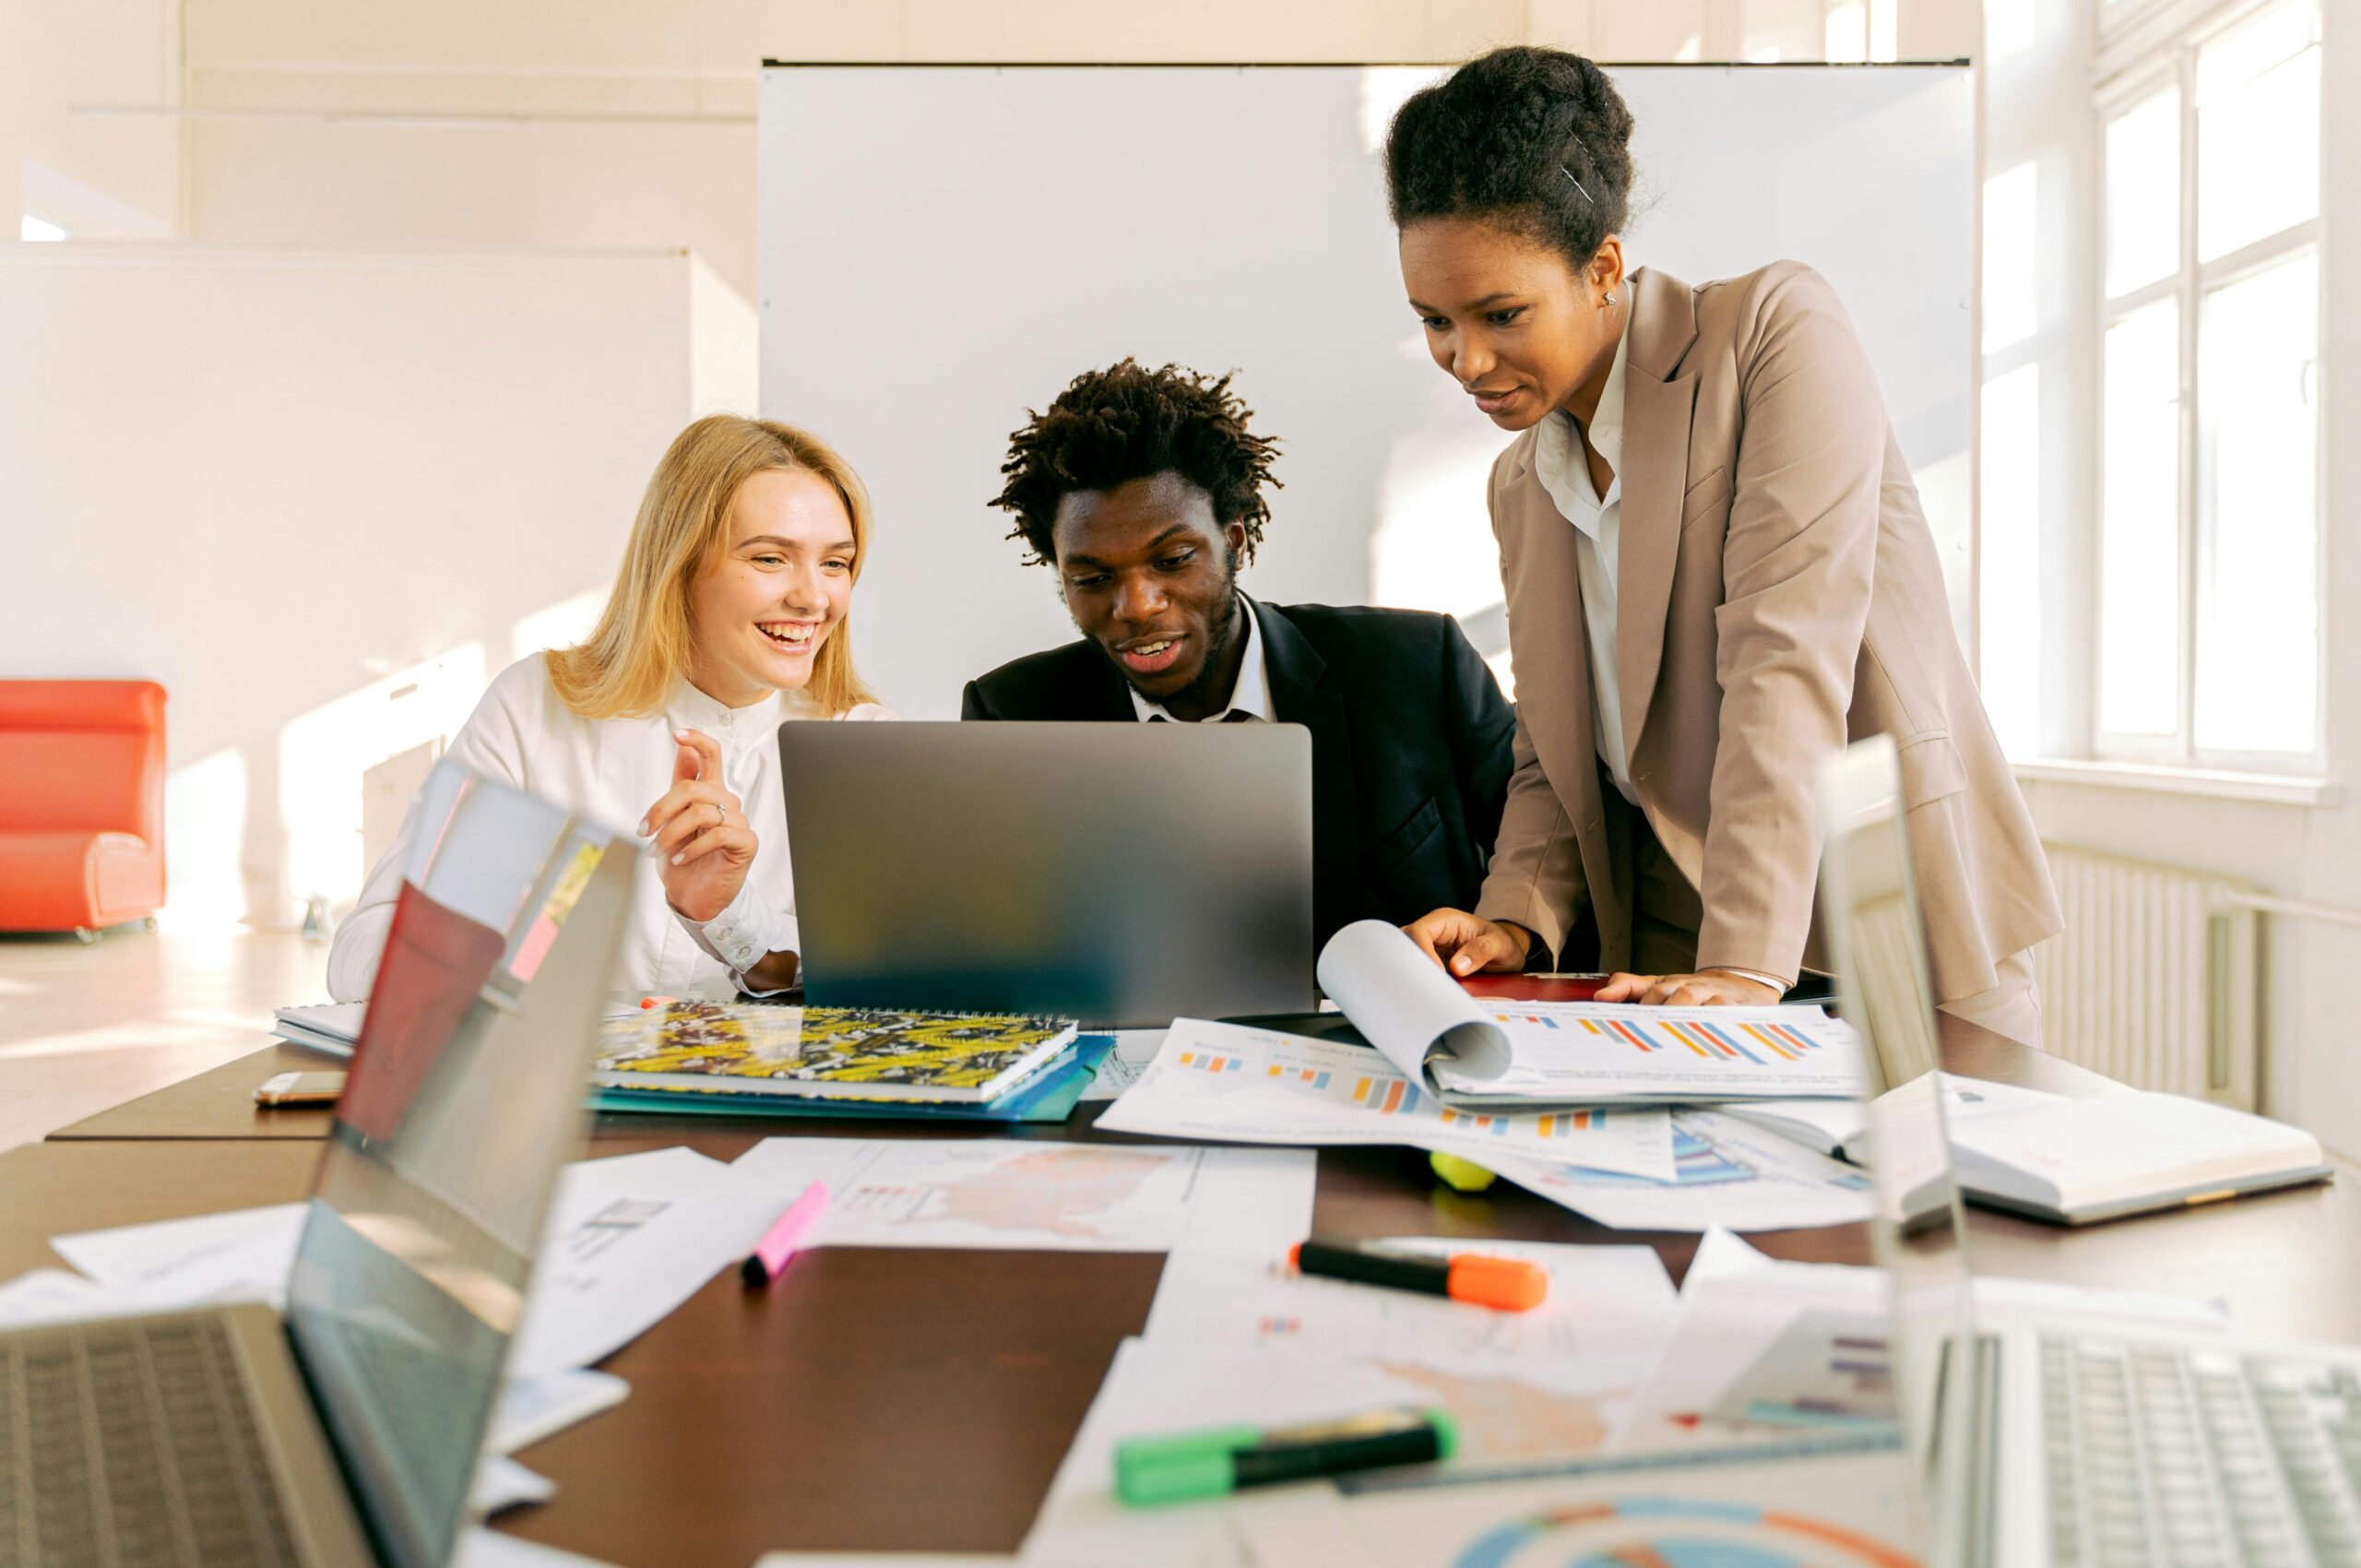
(1302, 694)
(1657, 407)
(1100, 693)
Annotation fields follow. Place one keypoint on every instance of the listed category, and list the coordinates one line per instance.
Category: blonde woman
(727, 619)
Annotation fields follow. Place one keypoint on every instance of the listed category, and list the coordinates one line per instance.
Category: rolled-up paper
(1403, 1005)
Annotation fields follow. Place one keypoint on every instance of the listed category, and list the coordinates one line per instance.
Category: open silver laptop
(1123, 874)
(349, 1432)
(2064, 1441)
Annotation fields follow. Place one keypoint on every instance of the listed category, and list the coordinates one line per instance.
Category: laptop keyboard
(2182, 1456)
(130, 1445)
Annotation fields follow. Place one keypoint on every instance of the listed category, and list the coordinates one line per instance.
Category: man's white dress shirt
(1251, 697)
(612, 770)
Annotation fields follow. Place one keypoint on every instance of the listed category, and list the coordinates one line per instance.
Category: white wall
(549, 124)
(919, 370)
(322, 498)
(2038, 108)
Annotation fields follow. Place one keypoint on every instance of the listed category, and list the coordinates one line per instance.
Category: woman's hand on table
(1706, 988)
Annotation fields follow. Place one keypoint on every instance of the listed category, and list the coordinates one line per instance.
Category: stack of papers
(1490, 1054)
(1245, 1085)
(1236, 1335)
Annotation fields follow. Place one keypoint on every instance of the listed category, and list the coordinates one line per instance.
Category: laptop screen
(465, 1097)
(1869, 909)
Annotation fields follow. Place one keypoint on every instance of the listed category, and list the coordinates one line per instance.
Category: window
(2209, 645)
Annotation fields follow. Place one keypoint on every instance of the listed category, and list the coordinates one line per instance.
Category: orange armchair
(82, 803)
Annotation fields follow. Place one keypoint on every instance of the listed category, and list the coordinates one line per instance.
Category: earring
(1610, 297)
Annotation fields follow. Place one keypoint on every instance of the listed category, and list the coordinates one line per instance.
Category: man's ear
(1236, 534)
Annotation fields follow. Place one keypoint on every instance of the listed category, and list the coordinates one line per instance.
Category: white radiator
(2155, 980)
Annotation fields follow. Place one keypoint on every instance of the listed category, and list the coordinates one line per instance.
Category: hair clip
(1577, 184)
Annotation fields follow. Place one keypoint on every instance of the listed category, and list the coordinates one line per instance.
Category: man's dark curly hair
(1125, 422)
(1537, 140)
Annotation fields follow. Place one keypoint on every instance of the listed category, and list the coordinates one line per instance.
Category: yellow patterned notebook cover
(866, 1053)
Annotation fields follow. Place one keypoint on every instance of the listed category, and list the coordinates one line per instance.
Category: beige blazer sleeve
(1799, 562)
(1535, 876)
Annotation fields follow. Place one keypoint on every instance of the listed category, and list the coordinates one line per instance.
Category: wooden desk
(886, 1399)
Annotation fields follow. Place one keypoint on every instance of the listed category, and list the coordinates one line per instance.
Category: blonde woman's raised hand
(703, 842)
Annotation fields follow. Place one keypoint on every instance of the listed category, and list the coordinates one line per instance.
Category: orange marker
(1511, 1285)
(647, 1001)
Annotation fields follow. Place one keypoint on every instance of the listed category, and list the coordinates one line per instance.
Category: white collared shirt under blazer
(612, 770)
(1778, 595)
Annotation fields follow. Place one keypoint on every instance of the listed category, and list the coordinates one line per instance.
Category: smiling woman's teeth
(793, 637)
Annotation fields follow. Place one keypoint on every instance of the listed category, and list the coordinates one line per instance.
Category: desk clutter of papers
(1637, 1117)
(1617, 1388)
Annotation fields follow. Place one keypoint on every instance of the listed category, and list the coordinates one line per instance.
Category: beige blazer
(1777, 596)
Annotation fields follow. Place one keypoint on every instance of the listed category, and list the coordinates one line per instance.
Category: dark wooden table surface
(901, 1399)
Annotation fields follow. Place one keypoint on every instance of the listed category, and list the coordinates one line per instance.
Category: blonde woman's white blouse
(612, 770)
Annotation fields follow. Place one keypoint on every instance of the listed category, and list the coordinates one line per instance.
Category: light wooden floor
(82, 1028)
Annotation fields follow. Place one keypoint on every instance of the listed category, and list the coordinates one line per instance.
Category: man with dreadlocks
(1142, 489)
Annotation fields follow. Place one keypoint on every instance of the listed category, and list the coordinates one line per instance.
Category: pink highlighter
(786, 1234)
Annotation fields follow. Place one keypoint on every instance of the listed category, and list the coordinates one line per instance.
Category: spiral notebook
(829, 1052)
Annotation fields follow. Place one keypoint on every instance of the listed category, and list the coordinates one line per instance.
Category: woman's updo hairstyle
(1537, 140)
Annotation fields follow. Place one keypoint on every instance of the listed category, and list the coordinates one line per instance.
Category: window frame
(2170, 64)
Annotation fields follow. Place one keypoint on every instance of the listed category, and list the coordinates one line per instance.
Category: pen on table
(1210, 1464)
(1510, 1284)
(786, 1234)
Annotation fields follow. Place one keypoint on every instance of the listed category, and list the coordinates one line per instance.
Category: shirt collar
(692, 709)
(1252, 692)
(1556, 454)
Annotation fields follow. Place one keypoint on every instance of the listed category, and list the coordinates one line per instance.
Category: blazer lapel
(1554, 677)
(1658, 405)
(1299, 695)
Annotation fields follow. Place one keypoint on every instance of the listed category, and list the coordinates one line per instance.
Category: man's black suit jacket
(1410, 740)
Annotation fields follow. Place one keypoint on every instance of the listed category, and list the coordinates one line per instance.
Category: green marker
(1225, 1459)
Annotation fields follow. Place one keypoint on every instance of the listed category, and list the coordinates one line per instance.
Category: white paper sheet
(502, 1482)
(1176, 1385)
(1840, 1126)
(49, 1295)
(1403, 1004)
(1599, 1053)
(1606, 1313)
(545, 1406)
(1135, 1048)
(1034, 1194)
(883, 1559)
(479, 1548)
(1730, 1174)
(129, 1254)
(1833, 1502)
(1227, 1081)
(1736, 1302)
(629, 1240)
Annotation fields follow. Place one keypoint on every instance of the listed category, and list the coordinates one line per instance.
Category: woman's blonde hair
(642, 644)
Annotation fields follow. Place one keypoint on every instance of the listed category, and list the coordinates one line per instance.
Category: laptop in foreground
(1123, 874)
(349, 1432)
(2053, 1439)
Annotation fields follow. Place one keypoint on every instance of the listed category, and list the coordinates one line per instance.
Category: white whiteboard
(943, 248)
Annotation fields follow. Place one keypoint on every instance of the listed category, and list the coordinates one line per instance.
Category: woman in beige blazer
(1717, 574)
